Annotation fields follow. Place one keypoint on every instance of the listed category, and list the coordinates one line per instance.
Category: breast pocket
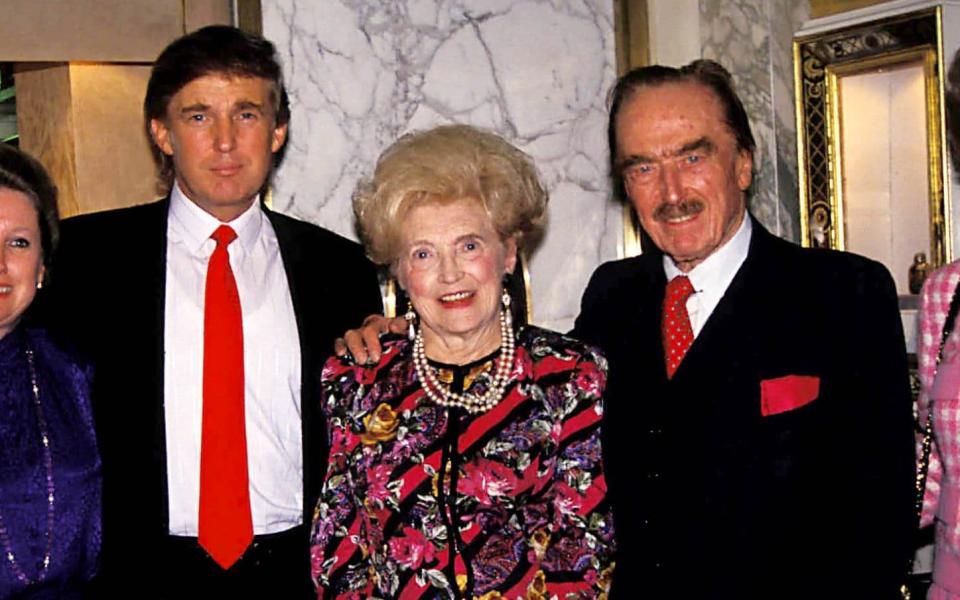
(787, 393)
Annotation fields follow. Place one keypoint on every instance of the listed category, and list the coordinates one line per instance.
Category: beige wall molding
(109, 30)
(87, 30)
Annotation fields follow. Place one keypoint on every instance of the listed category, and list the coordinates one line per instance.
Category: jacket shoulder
(627, 271)
(820, 266)
(305, 232)
(629, 267)
(115, 217)
(111, 229)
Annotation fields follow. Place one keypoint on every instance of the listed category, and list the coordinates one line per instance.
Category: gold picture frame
(826, 62)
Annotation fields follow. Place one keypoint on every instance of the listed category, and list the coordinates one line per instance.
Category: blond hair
(445, 164)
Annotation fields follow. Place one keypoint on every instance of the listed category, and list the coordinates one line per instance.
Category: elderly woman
(49, 468)
(466, 462)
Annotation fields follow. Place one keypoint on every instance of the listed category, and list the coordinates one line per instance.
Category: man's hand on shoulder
(363, 344)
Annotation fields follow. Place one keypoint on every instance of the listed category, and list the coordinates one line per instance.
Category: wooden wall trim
(632, 34)
(823, 8)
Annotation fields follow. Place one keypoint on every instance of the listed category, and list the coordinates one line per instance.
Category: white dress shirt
(271, 366)
(711, 278)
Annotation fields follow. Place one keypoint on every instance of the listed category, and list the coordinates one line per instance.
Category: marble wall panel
(361, 72)
(789, 15)
(752, 39)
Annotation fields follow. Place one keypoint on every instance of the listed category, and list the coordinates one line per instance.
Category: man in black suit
(132, 286)
(758, 429)
(777, 460)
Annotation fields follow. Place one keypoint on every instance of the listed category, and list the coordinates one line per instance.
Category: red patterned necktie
(675, 325)
(225, 523)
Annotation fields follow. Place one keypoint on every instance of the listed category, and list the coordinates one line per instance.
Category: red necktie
(225, 523)
(675, 326)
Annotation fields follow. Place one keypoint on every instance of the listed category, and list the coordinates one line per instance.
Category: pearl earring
(411, 318)
(508, 314)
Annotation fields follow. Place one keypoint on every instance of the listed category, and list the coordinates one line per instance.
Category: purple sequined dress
(64, 395)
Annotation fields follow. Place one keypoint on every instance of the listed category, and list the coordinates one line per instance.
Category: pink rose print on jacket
(378, 478)
(590, 379)
(412, 549)
(486, 479)
(566, 499)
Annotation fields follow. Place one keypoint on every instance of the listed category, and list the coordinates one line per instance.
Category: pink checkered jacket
(941, 386)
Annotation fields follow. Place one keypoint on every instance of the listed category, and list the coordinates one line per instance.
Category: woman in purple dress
(49, 468)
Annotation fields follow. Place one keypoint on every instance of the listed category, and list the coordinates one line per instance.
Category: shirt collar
(721, 265)
(196, 225)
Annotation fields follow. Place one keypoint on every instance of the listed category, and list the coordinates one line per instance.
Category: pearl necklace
(471, 403)
(51, 488)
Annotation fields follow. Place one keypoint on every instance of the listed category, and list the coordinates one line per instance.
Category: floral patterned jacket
(520, 510)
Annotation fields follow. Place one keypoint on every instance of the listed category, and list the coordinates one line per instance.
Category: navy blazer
(715, 499)
(108, 293)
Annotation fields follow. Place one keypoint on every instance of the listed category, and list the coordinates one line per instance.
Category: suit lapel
(147, 278)
(631, 337)
(306, 298)
(648, 316)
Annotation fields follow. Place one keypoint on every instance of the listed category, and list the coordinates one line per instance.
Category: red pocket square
(787, 393)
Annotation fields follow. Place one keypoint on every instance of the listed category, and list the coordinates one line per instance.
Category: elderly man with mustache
(759, 413)
(758, 433)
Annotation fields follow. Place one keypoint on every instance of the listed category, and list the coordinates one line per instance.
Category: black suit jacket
(714, 500)
(108, 292)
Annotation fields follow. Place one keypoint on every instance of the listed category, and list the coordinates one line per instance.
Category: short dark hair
(953, 110)
(216, 49)
(22, 173)
(705, 72)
